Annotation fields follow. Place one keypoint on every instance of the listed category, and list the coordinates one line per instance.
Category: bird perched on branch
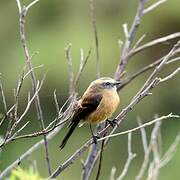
(97, 104)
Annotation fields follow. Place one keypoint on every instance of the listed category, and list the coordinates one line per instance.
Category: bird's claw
(113, 122)
(95, 138)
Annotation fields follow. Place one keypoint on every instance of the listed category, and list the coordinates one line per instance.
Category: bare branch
(38, 144)
(6, 115)
(153, 6)
(173, 60)
(154, 43)
(3, 96)
(153, 171)
(136, 22)
(158, 68)
(81, 67)
(139, 127)
(8, 136)
(19, 6)
(144, 164)
(93, 156)
(33, 68)
(70, 69)
(170, 75)
(90, 162)
(22, 13)
(93, 21)
(129, 40)
(129, 79)
(131, 156)
(125, 28)
(100, 153)
(28, 152)
(170, 152)
(143, 135)
(38, 87)
(139, 41)
(63, 118)
(19, 130)
(56, 103)
(31, 4)
(113, 172)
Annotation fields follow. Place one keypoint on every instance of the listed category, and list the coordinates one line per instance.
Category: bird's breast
(106, 108)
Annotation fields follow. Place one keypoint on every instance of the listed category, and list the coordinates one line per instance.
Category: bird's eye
(107, 83)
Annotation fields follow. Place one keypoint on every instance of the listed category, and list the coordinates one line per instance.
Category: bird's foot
(113, 122)
(95, 138)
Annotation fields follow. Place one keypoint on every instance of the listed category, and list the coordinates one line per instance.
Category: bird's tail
(72, 127)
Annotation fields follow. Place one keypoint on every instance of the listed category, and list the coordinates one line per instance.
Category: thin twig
(90, 162)
(92, 157)
(22, 13)
(170, 75)
(38, 144)
(56, 103)
(93, 21)
(18, 131)
(143, 135)
(130, 78)
(154, 43)
(139, 127)
(170, 152)
(153, 171)
(113, 172)
(125, 28)
(63, 118)
(6, 115)
(31, 4)
(19, 6)
(131, 156)
(153, 6)
(81, 67)
(8, 136)
(173, 60)
(14, 107)
(128, 42)
(144, 163)
(139, 41)
(100, 154)
(70, 69)
(27, 153)
(158, 68)
(3, 96)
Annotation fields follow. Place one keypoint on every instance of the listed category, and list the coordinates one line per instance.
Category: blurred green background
(51, 26)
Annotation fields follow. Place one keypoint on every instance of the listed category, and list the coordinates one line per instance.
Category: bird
(97, 104)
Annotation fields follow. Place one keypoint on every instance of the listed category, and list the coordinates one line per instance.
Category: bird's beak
(117, 83)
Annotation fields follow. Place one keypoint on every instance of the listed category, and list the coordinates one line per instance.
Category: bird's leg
(113, 122)
(95, 137)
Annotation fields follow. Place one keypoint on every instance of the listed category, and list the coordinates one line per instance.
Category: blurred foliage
(21, 174)
(51, 26)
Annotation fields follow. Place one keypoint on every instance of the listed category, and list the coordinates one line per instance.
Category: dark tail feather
(72, 126)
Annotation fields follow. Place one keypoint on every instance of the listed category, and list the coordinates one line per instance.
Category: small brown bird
(97, 104)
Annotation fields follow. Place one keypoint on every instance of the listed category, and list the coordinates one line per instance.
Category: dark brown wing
(88, 105)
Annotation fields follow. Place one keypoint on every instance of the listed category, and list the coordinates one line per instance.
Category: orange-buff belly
(106, 108)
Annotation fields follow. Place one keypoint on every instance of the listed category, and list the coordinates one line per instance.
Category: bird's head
(104, 83)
